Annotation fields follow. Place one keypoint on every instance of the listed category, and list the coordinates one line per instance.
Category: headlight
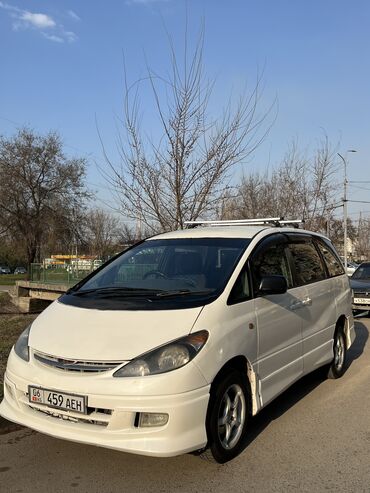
(21, 346)
(166, 358)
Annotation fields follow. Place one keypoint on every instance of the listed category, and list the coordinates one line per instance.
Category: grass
(9, 279)
(11, 325)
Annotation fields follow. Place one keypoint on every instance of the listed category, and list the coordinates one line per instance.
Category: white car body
(280, 338)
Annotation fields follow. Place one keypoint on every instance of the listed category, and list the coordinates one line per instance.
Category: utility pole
(359, 233)
(345, 210)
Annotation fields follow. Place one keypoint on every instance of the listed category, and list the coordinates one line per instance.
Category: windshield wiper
(112, 290)
(181, 292)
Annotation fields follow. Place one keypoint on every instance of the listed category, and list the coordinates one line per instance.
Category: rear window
(334, 265)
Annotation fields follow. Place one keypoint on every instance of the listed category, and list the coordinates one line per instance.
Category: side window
(307, 262)
(333, 263)
(271, 261)
(241, 289)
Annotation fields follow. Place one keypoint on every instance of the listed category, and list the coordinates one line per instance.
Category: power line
(359, 188)
(359, 212)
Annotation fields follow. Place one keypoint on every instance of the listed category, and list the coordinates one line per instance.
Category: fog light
(147, 420)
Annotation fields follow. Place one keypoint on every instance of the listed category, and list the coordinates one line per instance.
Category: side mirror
(273, 285)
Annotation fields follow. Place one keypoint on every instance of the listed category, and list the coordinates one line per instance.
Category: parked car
(174, 356)
(360, 284)
(20, 270)
(4, 269)
(351, 267)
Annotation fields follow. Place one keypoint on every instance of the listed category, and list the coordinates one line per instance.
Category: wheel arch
(343, 324)
(243, 365)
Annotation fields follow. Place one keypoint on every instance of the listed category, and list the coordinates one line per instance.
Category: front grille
(94, 415)
(76, 365)
(85, 419)
(361, 294)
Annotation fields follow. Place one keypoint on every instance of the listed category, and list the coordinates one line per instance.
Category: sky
(61, 68)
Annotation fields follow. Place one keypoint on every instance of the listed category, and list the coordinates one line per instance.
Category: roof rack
(272, 221)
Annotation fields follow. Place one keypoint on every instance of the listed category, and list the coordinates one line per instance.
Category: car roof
(247, 232)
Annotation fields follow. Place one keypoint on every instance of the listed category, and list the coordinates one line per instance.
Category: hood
(360, 285)
(101, 335)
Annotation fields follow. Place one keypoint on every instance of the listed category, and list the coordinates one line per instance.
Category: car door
(278, 318)
(319, 310)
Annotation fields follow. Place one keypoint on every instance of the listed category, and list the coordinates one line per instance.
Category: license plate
(361, 301)
(58, 400)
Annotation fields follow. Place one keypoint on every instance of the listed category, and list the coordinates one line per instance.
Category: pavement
(313, 438)
(5, 288)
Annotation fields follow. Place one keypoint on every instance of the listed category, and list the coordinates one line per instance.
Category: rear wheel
(227, 417)
(337, 366)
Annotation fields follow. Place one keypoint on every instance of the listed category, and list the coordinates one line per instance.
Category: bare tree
(300, 187)
(186, 172)
(102, 232)
(337, 233)
(38, 185)
(128, 235)
(363, 239)
(67, 232)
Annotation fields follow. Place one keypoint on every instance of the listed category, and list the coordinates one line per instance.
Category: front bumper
(111, 419)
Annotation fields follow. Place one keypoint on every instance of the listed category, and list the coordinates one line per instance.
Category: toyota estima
(171, 346)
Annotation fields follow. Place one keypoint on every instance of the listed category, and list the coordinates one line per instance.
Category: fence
(72, 274)
(58, 275)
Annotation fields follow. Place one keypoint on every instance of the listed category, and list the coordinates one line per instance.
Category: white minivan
(173, 344)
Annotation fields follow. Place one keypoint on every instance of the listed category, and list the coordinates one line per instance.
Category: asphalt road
(313, 438)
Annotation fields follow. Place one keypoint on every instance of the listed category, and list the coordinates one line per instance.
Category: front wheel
(227, 417)
(337, 366)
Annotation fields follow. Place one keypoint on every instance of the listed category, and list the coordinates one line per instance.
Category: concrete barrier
(31, 297)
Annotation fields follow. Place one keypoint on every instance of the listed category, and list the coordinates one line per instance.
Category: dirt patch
(6, 306)
(8, 427)
(11, 325)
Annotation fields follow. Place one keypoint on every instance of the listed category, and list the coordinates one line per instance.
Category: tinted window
(241, 289)
(333, 263)
(307, 262)
(271, 261)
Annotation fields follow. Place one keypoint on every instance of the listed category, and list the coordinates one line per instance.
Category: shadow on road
(358, 346)
(303, 387)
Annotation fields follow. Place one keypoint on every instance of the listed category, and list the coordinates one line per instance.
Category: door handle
(300, 304)
(307, 302)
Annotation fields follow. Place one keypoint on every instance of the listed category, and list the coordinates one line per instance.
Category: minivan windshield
(164, 271)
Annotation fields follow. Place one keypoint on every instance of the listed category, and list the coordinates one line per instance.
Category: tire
(227, 416)
(337, 366)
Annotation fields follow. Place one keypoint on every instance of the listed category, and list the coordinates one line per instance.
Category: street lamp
(345, 210)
